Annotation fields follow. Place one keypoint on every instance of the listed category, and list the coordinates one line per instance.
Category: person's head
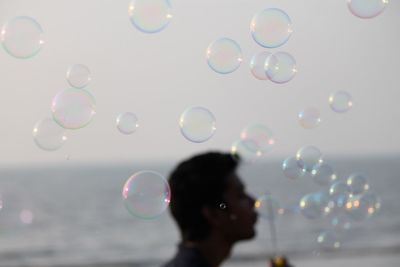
(208, 197)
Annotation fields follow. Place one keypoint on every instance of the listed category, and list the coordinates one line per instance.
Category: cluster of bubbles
(256, 140)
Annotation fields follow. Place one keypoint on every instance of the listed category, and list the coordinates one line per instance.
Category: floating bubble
(197, 124)
(280, 67)
(291, 168)
(340, 222)
(257, 65)
(271, 27)
(309, 118)
(323, 174)
(146, 194)
(339, 194)
(127, 123)
(309, 158)
(48, 135)
(22, 37)
(364, 206)
(340, 101)
(357, 183)
(150, 16)
(242, 149)
(267, 207)
(312, 206)
(260, 138)
(224, 56)
(73, 108)
(367, 9)
(328, 240)
(78, 76)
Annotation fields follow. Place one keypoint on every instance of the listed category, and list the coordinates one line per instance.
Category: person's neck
(214, 249)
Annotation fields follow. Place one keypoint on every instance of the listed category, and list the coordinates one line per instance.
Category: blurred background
(64, 207)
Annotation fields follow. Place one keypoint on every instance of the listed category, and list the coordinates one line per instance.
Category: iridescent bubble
(340, 101)
(312, 206)
(328, 240)
(309, 118)
(73, 108)
(127, 123)
(364, 206)
(260, 136)
(78, 76)
(323, 174)
(267, 207)
(146, 194)
(291, 168)
(197, 124)
(367, 9)
(150, 16)
(242, 149)
(357, 183)
(280, 67)
(22, 37)
(271, 27)
(48, 135)
(257, 65)
(339, 194)
(224, 56)
(309, 158)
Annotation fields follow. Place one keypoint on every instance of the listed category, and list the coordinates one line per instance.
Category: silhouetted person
(212, 210)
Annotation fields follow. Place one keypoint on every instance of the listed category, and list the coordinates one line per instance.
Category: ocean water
(79, 218)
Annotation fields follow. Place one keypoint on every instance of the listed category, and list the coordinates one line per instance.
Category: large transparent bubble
(197, 124)
(224, 55)
(48, 135)
(22, 37)
(150, 16)
(146, 194)
(309, 158)
(280, 67)
(257, 65)
(73, 108)
(367, 9)
(271, 27)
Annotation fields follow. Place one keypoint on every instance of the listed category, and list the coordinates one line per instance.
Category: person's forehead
(234, 182)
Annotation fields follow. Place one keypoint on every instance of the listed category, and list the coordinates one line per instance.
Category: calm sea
(72, 215)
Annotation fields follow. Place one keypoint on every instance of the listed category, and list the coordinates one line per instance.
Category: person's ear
(214, 216)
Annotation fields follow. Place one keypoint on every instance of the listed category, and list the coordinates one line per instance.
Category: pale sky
(157, 76)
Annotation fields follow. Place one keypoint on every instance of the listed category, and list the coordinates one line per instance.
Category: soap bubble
(309, 158)
(150, 16)
(291, 168)
(328, 240)
(280, 67)
(364, 206)
(146, 194)
(312, 206)
(340, 101)
(339, 194)
(22, 37)
(48, 135)
(243, 149)
(323, 174)
(267, 207)
(260, 137)
(78, 76)
(73, 108)
(309, 118)
(197, 124)
(367, 9)
(340, 222)
(127, 123)
(257, 65)
(357, 183)
(271, 27)
(224, 56)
